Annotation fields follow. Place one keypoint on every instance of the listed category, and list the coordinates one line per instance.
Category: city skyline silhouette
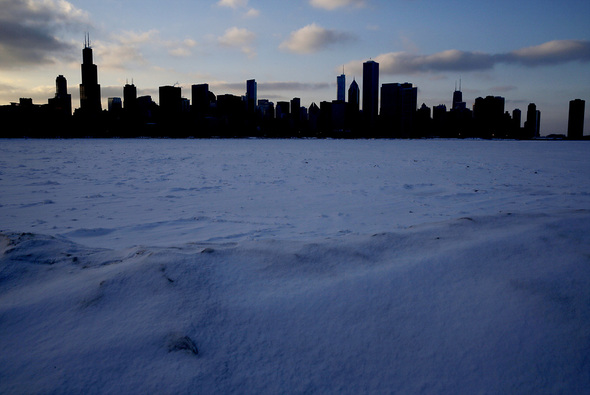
(389, 110)
(525, 53)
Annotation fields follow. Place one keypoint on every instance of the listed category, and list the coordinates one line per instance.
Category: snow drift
(472, 298)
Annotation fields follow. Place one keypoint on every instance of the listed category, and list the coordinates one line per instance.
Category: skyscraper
(575, 122)
(251, 95)
(62, 102)
(115, 105)
(130, 98)
(200, 99)
(296, 110)
(341, 83)
(170, 101)
(398, 108)
(458, 103)
(370, 92)
(354, 97)
(533, 120)
(89, 88)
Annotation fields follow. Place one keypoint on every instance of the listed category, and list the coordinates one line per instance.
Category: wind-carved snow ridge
(494, 304)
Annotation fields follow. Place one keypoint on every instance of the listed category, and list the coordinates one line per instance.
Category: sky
(526, 51)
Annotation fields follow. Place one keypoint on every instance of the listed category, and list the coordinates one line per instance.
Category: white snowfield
(294, 266)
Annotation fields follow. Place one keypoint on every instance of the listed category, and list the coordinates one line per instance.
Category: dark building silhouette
(370, 92)
(516, 119)
(251, 95)
(115, 105)
(89, 88)
(230, 113)
(62, 102)
(423, 122)
(575, 122)
(130, 98)
(170, 100)
(266, 109)
(533, 120)
(398, 109)
(201, 101)
(314, 117)
(282, 110)
(146, 108)
(458, 103)
(488, 115)
(296, 118)
(338, 109)
(354, 96)
(341, 87)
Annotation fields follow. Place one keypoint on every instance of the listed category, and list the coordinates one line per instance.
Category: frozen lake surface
(120, 193)
(294, 266)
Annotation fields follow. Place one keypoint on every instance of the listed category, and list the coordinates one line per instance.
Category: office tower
(489, 110)
(282, 110)
(62, 102)
(575, 122)
(200, 99)
(251, 95)
(489, 116)
(354, 96)
(61, 86)
(129, 97)
(296, 110)
(89, 88)
(532, 119)
(516, 118)
(398, 108)
(267, 109)
(341, 84)
(114, 104)
(170, 100)
(409, 106)
(458, 103)
(370, 92)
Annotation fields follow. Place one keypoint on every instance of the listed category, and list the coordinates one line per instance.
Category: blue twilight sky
(527, 51)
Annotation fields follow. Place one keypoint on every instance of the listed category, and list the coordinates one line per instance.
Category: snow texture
(294, 266)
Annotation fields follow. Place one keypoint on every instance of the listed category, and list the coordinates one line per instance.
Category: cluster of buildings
(395, 115)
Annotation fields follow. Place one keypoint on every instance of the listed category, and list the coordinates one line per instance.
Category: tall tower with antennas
(458, 103)
(89, 88)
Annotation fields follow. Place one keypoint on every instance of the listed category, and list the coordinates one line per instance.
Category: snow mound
(480, 304)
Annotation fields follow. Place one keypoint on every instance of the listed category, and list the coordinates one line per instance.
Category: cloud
(29, 31)
(252, 13)
(313, 38)
(238, 38)
(181, 49)
(552, 52)
(123, 50)
(238, 5)
(234, 4)
(334, 4)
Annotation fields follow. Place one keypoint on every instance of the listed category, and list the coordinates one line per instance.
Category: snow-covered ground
(289, 266)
